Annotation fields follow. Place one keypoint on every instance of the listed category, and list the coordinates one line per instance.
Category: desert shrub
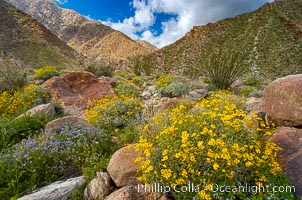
(246, 90)
(253, 82)
(213, 143)
(164, 81)
(13, 131)
(174, 90)
(46, 72)
(101, 68)
(224, 65)
(126, 88)
(43, 159)
(12, 75)
(116, 112)
(15, 102)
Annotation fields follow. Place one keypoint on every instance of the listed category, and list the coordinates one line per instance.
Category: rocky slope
(91, 38)
(24, 39)
(271, 36)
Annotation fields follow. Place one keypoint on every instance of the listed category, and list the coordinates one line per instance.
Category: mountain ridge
(80, 33)
(24, 39)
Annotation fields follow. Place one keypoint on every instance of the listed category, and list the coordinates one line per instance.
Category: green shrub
(220, 145)
(46, 72)
(174, 90)
(246, 90)
(12, 76)
(101, 69)
(253, 82)
(13, 131)
(127, 89)
(43, 159)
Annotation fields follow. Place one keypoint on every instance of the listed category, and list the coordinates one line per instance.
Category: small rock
(59, 190)
(57, 125)
(195, 96)
(146, 95)
(134, 193)
(43, 110)
(122, 168)
(100, 187)
(203, 92)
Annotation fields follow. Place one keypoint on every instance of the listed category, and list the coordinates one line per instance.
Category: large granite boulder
(283, 101)
(122, 168)
(290, 139)
(75, 90)
(60, 190)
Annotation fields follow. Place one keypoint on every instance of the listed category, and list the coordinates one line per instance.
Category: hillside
(87, 37)
(271, 36)
(24, 39)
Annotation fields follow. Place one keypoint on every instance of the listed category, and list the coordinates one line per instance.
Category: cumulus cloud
(184, 15)
(61, 1)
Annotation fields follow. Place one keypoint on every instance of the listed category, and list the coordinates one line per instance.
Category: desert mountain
(271, 38)
(24, 39)
(90, 38)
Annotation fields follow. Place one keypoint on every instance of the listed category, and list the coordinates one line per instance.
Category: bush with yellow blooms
(114, 112)
(213, 143)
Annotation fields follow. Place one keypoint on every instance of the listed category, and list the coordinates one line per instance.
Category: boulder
(75, 90)
(100, 187)
(43, 109)
(122, 168)
(57, 125)
(282, 99)
(134, 193)
(60, 190)
(290, 139)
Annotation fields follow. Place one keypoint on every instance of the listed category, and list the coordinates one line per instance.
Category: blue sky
(160, 22)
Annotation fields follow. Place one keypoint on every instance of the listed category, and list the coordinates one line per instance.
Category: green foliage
(223, 66)
(116, 112)
(12, 76)
(174, 90)
(43, 159)
(126, 88)
(13, 131)
(46, 72)
(246, 90)
(101, 68)
(253, 82)
(214, 143)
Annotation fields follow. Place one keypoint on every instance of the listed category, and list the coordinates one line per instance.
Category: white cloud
(188, 13)
(61, 1)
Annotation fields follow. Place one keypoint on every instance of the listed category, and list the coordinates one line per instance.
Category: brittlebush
(215, 142)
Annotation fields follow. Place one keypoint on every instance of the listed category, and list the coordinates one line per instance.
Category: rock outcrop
(43, 110)
(282, 99)
(75, 90)
(60, 190)
(290, 139)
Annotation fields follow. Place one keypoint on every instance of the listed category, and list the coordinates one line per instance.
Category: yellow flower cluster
(164, 81)
(113, 112)
(12, 103)
(216, 142)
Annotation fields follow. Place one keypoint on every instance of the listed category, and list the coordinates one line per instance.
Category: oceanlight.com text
(190, 187)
